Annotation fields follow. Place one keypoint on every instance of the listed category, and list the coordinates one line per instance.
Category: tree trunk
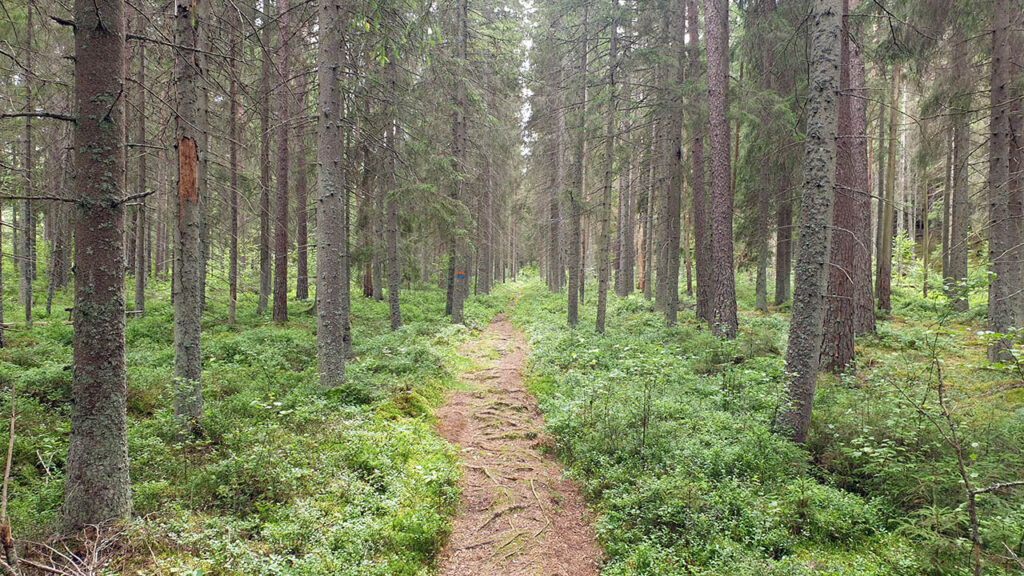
(203, 138)
(284, 98)
(188, 396)
(961, 209)
(840, 309)
(97, 488)
(266, 268)
(332, 287)
(605, 237)
(233, 144)
(575, 188)
(301, 206)
(459, 259)
(141, 239)
(883, 279)
(805, 332)
(701, 218)
(724, 320)
(1005, 283)
(28, 217)
(864, 297)
(391, 201)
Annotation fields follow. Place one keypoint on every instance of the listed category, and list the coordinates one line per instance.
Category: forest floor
(518, 514)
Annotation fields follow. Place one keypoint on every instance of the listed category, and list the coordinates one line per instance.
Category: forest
(512, 287)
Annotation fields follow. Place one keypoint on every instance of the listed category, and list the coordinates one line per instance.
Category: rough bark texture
(332, 290)
(837, 344)
(97, 488)
(301, 211)
(202, 11)
(266, 268)
(141, 237)
(284, 99)
(605, 214)
(701, 222)
(864, 296)
(459, 258)
(1004, 286)
(805, 333)
(28, 216)
(883, 279)
(575, 188)
(391, 205)
(961, 209)
(723, 306)
(233, 145)
(626, 237)
(187, 294)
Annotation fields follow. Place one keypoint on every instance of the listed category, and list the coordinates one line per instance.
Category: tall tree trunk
(701, 217)
(1005, 284)
(556, 265)
(724, 320)
(203, 138)
(332, 286)
(141, 239)
(840, 309)
(605, 237)
(391, 200)
(459, 258)
(284, 98)
(28, 217)
(883, 279)
(947, 194)
(188, 367)
(301, 206)
(266, 69)
(961, 210)
(783, 240)
(864, 296)
(805, 331)
(97, 488)
(233, 144)
(626, 226)
(575, 188)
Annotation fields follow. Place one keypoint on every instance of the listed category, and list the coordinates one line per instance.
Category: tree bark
(1004, 285)
(284, 98)
(961, 208)
(266, 268)
(805, 332)
(864, 296)
(724, 320)
(141, 238)
(459, 258)
(233, 144)
(391, 201)
(301, 206)
(840, 308)
(97, 488)
(883, 280)
(187, 295)
(28, 217)
(332, 268)
(605, 237)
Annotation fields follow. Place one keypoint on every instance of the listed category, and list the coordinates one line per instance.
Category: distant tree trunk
(626, 228)
(864, 297)
(643, 193)
(672, 153)
(301, 207)
(1016, 183)
(141, 239)
(332, 286)
(556, 266)
(391, 201)
(783, 241)
(188, 367)
(724, 321)
(575, 188)
(203, 137)
(947, 194)
(652, 214)
(805, 332)
(701, 217)
(765, 177)
(605, 237)
(840, 308)
(266, 268)
(1004, 286)
(284, 98)
(97, 488)
(961, 209)
(459, 258)
(883, 279)
(28, 218)
(233, 143)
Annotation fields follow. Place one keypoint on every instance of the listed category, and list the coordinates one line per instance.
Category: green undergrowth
(290, 478)
(669, 432)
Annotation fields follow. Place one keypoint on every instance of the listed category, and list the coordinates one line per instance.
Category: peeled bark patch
(188, 166)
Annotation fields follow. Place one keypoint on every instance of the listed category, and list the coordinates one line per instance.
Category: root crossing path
(519, 515)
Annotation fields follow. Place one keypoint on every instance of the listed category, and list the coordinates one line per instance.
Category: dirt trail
(519, 515)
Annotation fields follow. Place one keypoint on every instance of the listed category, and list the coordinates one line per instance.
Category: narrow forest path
(519, 514)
